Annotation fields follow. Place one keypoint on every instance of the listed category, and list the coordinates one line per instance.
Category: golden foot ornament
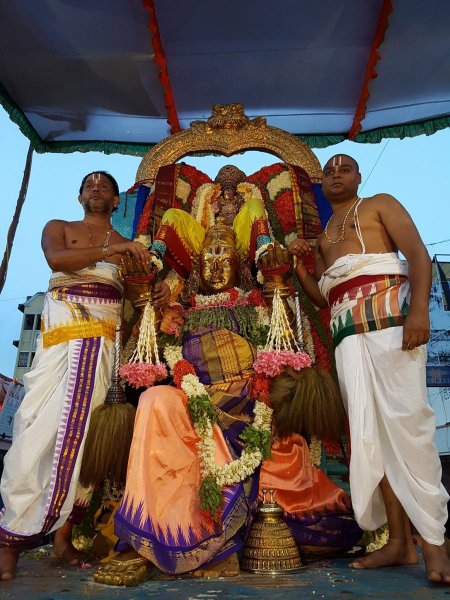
(127, 569)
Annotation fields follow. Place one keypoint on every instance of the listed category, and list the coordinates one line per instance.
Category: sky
(415, 171)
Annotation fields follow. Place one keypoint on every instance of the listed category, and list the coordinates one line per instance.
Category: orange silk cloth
(160, 515)
(300, 488)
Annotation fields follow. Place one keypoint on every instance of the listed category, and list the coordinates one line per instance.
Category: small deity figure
(230, 201)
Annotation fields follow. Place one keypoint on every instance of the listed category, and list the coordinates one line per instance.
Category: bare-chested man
(70, 376)
(379, 324)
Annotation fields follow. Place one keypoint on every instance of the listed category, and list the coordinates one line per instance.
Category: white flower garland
(146, 350)
(280, 336)
(172, 354)
(260, 251)
(191, 386)
(238, 469)
(279, 182)
(157, 262)
(219, 299)
(249, 190)
(202, 204)
(290, 237)
(144, 239)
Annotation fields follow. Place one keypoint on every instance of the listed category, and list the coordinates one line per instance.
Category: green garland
(221, 317)
(210, 497)
(201, 410)
(256, 439)
(210, 493)
(166, 339)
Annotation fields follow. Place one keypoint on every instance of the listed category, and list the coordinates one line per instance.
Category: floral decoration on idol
(144, 367)
(256, 437)
(281, 349)
(202, 205)
(284, 349)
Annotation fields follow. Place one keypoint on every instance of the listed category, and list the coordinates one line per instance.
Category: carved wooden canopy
(229, 131)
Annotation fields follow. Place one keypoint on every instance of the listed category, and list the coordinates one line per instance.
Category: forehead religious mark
(96, 176)
(218, 249)
(337, 160)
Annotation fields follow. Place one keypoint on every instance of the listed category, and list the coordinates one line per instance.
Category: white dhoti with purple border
(70, 376)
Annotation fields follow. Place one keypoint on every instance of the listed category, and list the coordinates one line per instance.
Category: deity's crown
(230, 176)
(220, 234)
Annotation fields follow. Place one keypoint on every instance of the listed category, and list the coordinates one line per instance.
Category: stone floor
(39, 577)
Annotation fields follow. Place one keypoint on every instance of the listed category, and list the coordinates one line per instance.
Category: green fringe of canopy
(427, 127)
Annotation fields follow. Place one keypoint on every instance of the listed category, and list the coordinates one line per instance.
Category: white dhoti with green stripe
(392, 426)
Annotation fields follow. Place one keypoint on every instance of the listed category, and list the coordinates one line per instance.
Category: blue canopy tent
(78, 75)
(121, 75)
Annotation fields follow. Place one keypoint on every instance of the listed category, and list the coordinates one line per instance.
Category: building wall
(29, 332)
(438, 366)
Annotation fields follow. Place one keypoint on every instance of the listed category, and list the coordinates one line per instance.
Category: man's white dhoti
(70, 376)
(391, 424)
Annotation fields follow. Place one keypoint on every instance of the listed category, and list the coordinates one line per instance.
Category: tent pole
(16, 217)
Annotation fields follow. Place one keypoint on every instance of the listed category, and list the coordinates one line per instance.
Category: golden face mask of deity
(219, 261)
(219, 268)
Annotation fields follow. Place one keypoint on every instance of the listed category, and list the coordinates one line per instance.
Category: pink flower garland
(141, 374)
(272, 362)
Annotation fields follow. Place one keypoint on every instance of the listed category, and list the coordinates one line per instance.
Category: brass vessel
(270, 547)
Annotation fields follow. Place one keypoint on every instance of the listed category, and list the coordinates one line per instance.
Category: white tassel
(146, 348)
(280, 332)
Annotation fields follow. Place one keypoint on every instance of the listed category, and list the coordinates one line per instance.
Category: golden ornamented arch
(229, 131)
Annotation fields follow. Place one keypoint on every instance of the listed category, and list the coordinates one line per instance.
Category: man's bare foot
(8, 562)
(437, 564)
(228, 567)
(64, 549)
(395, 552)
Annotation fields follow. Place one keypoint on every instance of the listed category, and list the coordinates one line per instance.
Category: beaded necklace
(342, 224)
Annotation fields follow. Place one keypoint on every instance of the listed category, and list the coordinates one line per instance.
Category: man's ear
(79, 198)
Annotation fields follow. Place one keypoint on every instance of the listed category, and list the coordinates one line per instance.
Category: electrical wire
(376, 162)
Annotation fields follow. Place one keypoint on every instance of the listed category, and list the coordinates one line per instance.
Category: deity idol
(203, 448)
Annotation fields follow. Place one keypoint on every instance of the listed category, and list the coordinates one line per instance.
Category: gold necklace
(105, 240)
(344, 220)
(91, 235)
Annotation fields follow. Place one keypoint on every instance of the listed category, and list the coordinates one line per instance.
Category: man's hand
(136, 259)
(160, 294)
(299, 247)
(138, 276)
(416, 330)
